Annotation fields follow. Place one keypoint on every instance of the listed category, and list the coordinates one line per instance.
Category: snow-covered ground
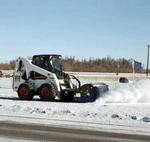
(126, 107)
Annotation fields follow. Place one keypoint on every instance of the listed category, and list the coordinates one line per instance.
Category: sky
(78, 28)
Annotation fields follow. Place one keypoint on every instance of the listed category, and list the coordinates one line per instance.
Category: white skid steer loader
(43, 76)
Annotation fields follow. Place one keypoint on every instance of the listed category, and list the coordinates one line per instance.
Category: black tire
(47, 92)
(123, 80)
(25, 91)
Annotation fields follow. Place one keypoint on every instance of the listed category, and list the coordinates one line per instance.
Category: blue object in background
(137, 65)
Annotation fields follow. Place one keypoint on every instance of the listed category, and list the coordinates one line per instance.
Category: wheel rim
(23, 92)
(45, 92)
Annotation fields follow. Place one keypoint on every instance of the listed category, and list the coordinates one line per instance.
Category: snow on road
(125, 105)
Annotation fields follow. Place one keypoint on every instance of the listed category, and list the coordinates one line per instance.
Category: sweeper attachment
(43, 76)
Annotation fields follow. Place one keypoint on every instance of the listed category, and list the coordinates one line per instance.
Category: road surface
(50, 133)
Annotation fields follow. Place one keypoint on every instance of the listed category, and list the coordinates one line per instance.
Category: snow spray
(135, 92)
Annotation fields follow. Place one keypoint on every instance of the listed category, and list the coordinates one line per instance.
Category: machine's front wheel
(47, 92)
(25, 91)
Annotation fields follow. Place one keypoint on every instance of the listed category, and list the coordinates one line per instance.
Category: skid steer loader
(43, 76)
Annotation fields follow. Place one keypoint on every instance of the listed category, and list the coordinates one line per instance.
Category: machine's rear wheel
(47, 92)
(25, 91)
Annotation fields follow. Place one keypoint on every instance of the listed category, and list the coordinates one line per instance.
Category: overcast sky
(80, 28)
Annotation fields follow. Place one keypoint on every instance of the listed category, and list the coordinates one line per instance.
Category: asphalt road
(51, 133)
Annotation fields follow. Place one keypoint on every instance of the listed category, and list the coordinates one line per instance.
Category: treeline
(7, 65)
(106, 64)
